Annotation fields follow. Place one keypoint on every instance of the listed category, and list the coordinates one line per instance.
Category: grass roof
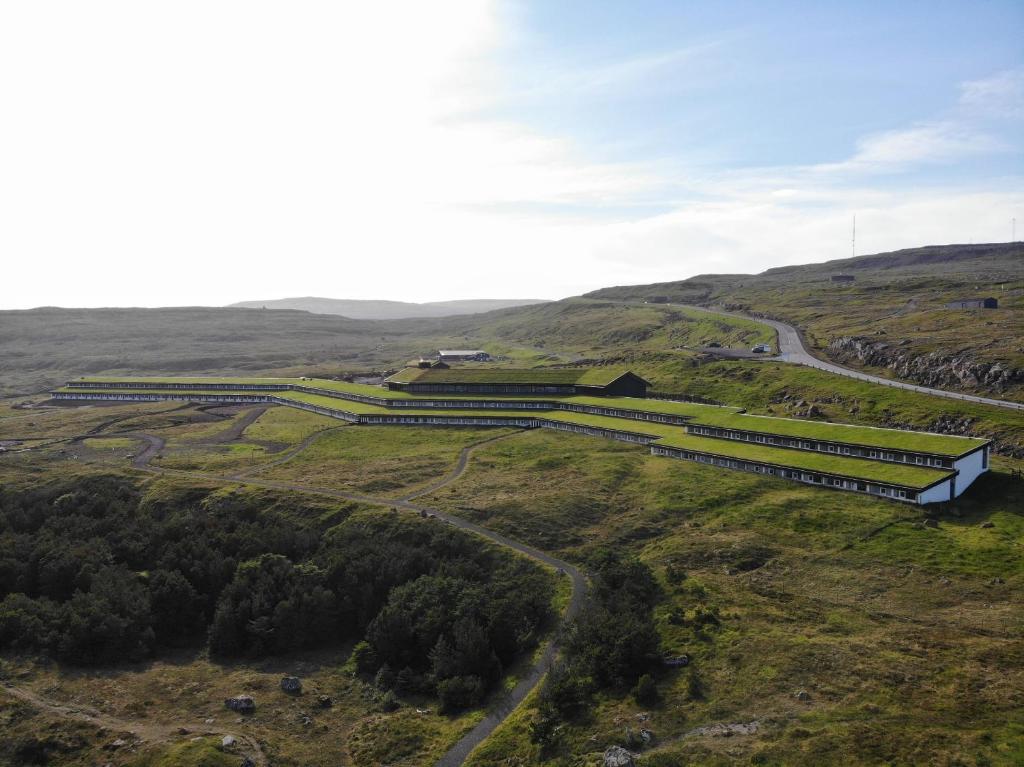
(526, 376)
(667, 434)
(864, 436)
(855, 468)
(706, 415)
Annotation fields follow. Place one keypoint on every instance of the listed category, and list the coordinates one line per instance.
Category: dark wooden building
(590, 381)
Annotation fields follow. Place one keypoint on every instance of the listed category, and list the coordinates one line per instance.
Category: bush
(460, 692)
(646, 691)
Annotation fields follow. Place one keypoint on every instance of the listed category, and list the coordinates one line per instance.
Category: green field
(905, 638)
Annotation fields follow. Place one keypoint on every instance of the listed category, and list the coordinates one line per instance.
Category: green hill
(892, 317)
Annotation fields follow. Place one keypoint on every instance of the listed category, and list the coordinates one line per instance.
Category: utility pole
(853, 240)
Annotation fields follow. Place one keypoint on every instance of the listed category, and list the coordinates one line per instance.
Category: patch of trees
(94, 573)
(612, 644)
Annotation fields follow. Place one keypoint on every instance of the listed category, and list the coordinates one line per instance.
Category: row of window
(823, 447)
(801, 476)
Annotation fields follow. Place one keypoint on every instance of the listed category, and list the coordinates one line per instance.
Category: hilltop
(387, 310)
(891, 318)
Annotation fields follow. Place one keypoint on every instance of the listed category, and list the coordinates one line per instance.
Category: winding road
(500, 710)
(792, 349)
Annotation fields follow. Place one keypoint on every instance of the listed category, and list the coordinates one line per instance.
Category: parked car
(761, 349)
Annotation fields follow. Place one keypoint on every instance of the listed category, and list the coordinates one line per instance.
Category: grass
(865, 436)
(906, 643)
(907, 638)
(701, 414)
(674, 436)
(489, 375)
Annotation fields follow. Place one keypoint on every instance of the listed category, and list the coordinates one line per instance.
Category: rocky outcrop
(617, 756)
(942, 371)
(243, 704)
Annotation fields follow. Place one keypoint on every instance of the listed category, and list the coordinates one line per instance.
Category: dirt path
(144, 731)
(460, 468)
(500, 709)
(234, 431)
(287, 455)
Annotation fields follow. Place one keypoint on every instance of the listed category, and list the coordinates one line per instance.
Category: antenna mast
(853, 241)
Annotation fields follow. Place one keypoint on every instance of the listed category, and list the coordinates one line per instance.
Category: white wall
(970, 469)
(936, 494)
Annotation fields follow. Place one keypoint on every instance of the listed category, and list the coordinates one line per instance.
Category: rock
(211, 720)
(802, 695)
(116, 744)
(933, 523)
(324, 701)
(987, 525)
(228, 741)
(676, 661)
(617, 756)
(725, 730)
(247, 762)
(243, 704)
(184, 730)
(933, 369)
(291, 685)
(646, 736)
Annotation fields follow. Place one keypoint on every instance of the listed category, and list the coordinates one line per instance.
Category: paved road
(792, 349)
(501, 709)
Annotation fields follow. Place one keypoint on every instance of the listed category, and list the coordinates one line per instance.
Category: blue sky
(490, 148)
(740, 84)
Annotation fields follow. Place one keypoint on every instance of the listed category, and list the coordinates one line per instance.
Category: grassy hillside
(43, 347)
(387, 310)
(895, 307)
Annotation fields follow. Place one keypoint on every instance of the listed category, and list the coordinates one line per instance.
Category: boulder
(617, 756)
(228, 741)
(802, 695)
(247, 762)
(291, 685)
(931, 523)
(243, 704)
(676, 661)
(987, 524)
(324, 701)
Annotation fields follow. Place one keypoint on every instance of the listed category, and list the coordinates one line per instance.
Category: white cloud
(1001, 95)
(898, 150)
(204, 153)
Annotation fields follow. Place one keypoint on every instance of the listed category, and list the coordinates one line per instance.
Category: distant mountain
(388, 310)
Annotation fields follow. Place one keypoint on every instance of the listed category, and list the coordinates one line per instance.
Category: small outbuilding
(974, 303)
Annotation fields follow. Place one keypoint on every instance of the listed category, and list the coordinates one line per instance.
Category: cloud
(1001, 95)
(931, 143)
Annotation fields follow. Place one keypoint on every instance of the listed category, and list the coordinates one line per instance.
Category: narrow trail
(460, 467)
(286, 455)
(144, 731)
(499, 710)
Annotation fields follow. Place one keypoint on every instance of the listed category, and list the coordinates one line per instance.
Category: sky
(201, 153)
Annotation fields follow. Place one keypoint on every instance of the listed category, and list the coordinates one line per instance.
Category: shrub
(646, 691)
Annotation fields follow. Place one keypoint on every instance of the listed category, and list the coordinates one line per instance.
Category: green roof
(855, 468)
(865, 436)
(668, 435)
(706, 415)
(526, 376)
